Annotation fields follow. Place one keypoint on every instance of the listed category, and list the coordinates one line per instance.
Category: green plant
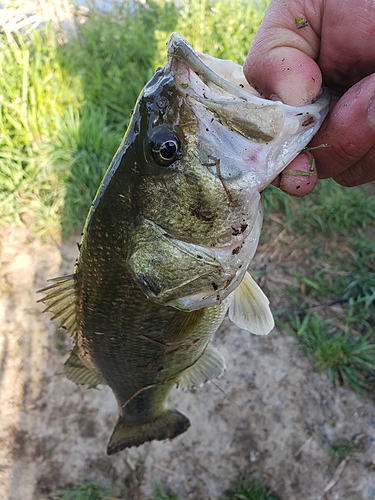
(345, 358)
(87, 490)
(250, 488)
(330, 209)
(161, 494)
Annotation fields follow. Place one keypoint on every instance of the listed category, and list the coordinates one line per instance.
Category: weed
(345, 359)
(161, 494)
(329, 210)
(340, 448)
(87, 490)
(250, 488)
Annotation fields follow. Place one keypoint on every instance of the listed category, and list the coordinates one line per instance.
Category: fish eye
(167, 150)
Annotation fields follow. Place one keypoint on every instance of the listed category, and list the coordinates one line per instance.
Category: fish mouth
(239, 106)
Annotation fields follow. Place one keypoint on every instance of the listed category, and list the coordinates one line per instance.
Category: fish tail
(168, 425)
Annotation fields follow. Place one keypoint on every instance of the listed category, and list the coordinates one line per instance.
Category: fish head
(206, 146)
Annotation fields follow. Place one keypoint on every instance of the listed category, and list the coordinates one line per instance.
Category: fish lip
(240, 107)
(177, 46)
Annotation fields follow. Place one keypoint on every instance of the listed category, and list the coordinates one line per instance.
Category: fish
(170, 235)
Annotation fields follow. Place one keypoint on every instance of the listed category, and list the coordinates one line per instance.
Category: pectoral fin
(250, 309)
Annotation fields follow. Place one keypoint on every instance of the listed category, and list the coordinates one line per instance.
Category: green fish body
(170, 235)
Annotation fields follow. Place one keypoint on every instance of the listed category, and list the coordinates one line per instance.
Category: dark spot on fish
(149, 284)
(162, 102)
(212, 119)
(204, 215)
(243, 227)
(214, 286)
(207, 130)
(242, 86)
(235, 251)
(79, 246)
(308, 121)
(297, 187)
(199, 257)
(299, 114)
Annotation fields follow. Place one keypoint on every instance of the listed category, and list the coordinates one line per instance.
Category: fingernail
(371, 111)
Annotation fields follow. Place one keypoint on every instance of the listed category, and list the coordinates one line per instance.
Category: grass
(329, 263)
(64, 106)
(250, 488)
(246, 488)
(87, 490)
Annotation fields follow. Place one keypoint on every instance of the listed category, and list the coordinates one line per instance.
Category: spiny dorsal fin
(250, 309)
(209, 365)
(77, 372)
(60, 300)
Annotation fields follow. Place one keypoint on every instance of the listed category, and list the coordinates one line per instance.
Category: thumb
(281, 59)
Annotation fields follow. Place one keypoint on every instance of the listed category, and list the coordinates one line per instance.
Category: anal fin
(168, 425)
(77, 372)
(209, 365)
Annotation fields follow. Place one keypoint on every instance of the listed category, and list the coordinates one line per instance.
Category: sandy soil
(268, 415)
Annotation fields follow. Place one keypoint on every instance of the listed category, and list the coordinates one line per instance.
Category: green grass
(330, 209)
(345, 358)
(64, 107)
(87, 490)
(330, 301)
(246, 488)
(161, 494)
(250, 488)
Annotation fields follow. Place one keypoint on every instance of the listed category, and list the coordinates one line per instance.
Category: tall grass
(64, 106)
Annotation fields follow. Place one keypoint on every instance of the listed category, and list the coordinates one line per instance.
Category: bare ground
(269, 415)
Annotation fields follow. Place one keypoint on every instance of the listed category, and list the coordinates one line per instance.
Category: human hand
(337, 48)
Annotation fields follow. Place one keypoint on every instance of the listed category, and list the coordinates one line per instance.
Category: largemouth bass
(170, 235)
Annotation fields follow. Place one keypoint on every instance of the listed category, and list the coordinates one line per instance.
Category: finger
(361, 172)
(349, 132)
(281, 58)
(300, 176)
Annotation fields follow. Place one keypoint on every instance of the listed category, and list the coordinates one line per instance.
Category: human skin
(335, 48)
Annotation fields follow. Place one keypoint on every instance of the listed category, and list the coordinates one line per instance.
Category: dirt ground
(269, 414)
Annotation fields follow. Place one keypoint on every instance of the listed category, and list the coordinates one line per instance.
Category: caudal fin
(170, 424)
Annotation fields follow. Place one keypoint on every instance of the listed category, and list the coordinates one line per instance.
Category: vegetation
(246, 488)
(66, 97)
(329, 292)
(87, 490)
(250, 488)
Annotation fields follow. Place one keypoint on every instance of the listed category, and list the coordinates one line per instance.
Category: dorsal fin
(250, 308)
(60, 300)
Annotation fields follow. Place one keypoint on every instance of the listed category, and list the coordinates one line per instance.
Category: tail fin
(170, 424)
